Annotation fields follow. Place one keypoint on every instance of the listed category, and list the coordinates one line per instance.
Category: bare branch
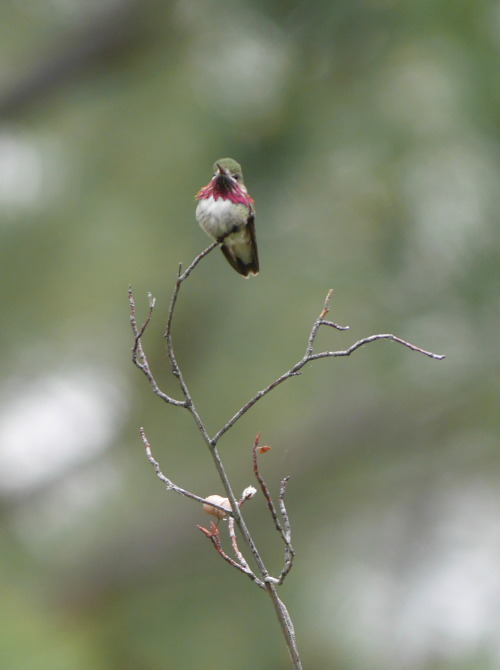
(320, 321)
(213, 535)
(264, 580)
(310, 356)
(139, 357)
(176, 371)
(170, 484)
(182, 276)
(285, 532)
(195, 262)
(287, 537)
(263, 486)
(248, 493)
(373, 338)
(284, 513)
(234, 543)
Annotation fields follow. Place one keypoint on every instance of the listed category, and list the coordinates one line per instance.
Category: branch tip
(326, 307)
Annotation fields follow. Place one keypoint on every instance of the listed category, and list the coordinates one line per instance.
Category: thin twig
(287, 537)
(176, 371)
(139, 357)
(310, 356)
(170, 484)
(284, 532)
(234, 543)
(284, 513)
(263, 486)
(320, 321)
(248, 493)
(213, 536)
(373, 338)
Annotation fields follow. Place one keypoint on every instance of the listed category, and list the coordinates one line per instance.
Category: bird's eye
(237, 176)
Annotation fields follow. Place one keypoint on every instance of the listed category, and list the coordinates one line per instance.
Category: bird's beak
(221, 169)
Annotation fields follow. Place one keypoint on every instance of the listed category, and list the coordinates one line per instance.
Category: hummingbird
(225, 212)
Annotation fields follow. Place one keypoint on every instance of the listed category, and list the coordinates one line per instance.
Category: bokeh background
(369, 135)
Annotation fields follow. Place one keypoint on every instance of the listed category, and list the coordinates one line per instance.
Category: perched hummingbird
(225, 212)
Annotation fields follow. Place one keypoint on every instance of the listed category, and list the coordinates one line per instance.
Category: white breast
(218, 217)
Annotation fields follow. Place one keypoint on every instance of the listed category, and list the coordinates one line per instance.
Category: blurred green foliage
(369, 137)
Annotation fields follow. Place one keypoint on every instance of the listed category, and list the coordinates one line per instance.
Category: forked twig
(213, 536)
(285, 529)
(139, 358)
(170, 484)
(311, 356)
